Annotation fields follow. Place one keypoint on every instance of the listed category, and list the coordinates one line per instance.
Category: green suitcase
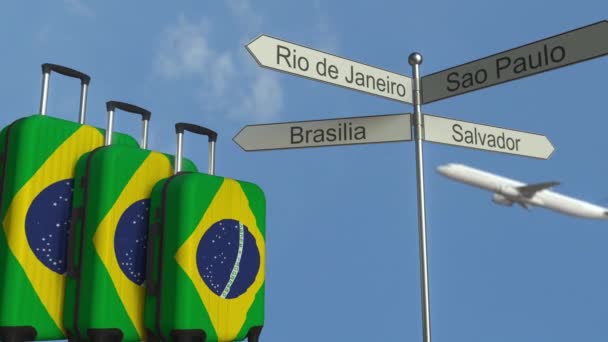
(106, 253)
(206, 260)
(38, 156)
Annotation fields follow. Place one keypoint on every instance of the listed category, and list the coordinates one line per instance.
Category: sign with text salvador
(484, 137)
(295, 59)
(555, 52)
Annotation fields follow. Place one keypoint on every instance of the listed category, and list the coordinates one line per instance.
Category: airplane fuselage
(506, 192)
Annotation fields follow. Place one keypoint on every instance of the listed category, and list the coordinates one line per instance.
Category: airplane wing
(530, 189)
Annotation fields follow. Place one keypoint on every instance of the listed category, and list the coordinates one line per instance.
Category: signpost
(415, 59)
(299, 60)
(332, 132)
(483, 137)
(555, 52)
(551, 53)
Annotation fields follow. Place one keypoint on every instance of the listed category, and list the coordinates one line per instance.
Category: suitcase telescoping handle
(84, 85)
(212, 135)
(111, 106)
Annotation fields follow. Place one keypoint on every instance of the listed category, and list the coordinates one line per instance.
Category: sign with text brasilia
(332, 132)
(483, 137)
(295, 59)
(555, 52)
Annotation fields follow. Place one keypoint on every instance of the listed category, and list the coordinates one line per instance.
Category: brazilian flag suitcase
(38, 155)
(106, 253)
(206, 260)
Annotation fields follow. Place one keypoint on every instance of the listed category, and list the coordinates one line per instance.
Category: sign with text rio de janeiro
(332, 132)
(551, 53)
(298, 60)
(483, 137)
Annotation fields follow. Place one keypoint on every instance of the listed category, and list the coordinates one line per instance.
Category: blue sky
(342, 236)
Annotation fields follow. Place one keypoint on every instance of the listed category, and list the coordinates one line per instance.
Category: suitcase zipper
(85, 184)
(5, 160)
(158, 285)
(29, 331)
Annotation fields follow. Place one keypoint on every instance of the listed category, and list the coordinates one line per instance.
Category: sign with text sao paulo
(298, 60)
(484, 137)
(551, 53)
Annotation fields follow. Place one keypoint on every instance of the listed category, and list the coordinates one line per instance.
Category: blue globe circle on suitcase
(46, 224)
(130, 241)
(228, 258)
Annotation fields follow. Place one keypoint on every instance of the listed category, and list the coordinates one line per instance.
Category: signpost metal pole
(415, 59)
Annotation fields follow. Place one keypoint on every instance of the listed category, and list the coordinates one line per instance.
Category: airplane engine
(508, 191)
(502, 200)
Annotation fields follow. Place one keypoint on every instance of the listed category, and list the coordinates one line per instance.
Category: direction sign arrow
(299, 60)
(551, 53)
(483, 137)
(332, 132)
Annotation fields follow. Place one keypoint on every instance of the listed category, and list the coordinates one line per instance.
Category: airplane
(507, 191)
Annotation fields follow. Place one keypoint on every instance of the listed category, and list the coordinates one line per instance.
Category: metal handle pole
(212, 158)
(45, 91)
(178, 155)
(144, 134)
(415, 59)
(180, 127)
(110, 128)
(111, 106)
(83, 103)
(47, 68)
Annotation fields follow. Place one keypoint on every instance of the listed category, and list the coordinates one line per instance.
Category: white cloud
(223, 74)
(44, 34)
(239, 7)
(264, 101)
(184, 50)
(79, 8)
(247, 16)
(328, 40)
(234, 86)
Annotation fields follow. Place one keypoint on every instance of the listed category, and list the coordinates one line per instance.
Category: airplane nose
(443, 169)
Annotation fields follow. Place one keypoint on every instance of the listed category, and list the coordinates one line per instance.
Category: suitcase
(38, 158)
(206, 260)
(107, 248)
